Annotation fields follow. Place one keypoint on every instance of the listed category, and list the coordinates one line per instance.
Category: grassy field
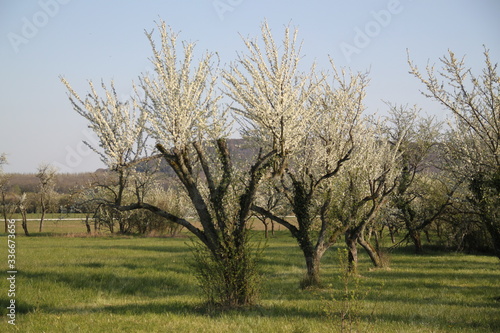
(132, 284)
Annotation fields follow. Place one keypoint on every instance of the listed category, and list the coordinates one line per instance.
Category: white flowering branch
(119, 128)
(270, 93)
(180, 97)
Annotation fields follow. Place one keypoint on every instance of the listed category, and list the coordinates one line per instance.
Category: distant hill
(240, 149)
(66, 182)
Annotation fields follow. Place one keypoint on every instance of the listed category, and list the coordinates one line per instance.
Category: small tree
(21, 206)
(361, 190)
(422, 194)
(46, 175)
(474, 141)
(120, 130)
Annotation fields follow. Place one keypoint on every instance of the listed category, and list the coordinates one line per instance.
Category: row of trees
(334, 166)
(49, 192)
(318, 155)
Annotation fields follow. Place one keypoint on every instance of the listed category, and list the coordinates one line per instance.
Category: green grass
(132, 284)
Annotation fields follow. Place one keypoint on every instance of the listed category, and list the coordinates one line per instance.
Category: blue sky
(93, 40)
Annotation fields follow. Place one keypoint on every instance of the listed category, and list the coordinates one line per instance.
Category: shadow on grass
(429, 322)
(21, 308)
(450, 283)
(272, 312)
(141, 263)
(115, 284)
(191, 308)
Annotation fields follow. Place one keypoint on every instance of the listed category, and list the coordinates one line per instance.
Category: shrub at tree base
(229, 278)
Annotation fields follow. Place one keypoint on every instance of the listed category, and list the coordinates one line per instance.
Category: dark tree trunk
(25, 223)
(121, 225)
(417, 241)
(438, 230)
(89, 231)
(41, 219)
(392, 232)
(312, 253)
(427, 236)
(44, 209)
(494, 231)
(312, 276)
(4, 211)
(377, 241)
(372, 253)
(266, 226)
(352, 250)
(222, 236)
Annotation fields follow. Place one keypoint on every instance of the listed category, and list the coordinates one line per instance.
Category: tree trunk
(391, 232)
(4, 211)
(438, 230)
(121, 225)
(89, 231)
(312, 254)
(43, 209)
(417, 242)
(352, 249)
(377, 241)
(372, 253)
(266, 227)
(494, 231)
(427, 236)
(41, 219)
(25, 223)
(312, 275)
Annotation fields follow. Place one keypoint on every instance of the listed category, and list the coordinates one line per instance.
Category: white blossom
(180, 99)
(272, 96)
(117, 124)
